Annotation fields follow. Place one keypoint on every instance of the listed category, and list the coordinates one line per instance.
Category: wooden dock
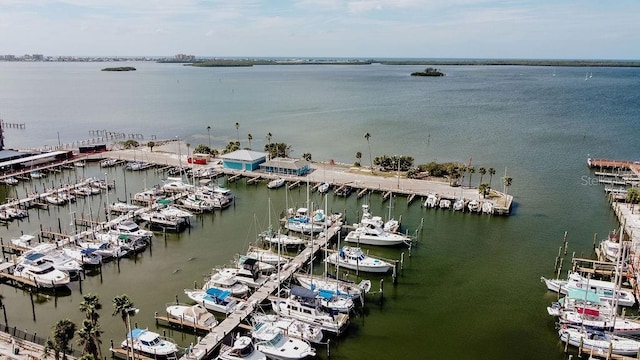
(212, 341)
(633, 166)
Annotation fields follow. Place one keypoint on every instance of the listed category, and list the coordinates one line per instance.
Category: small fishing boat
(431, 201)
(276, 183)
(10, 180)
(605, 289)
(473, 206)
(324, 187)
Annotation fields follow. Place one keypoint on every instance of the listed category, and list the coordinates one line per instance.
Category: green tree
(86, 338)
(90, 305)
(63, 332)
(368, 136)
(209, 133)
(633, 196)
(506, 181)
(482, 171)
(483, 189)
(122, 305)
(358, 158)
(151, 144)
(202, 149)
(129, 144)
(471, 170)
(306, 156)
(238, 131)
(249, 137)
(231, 147)
(492, 172)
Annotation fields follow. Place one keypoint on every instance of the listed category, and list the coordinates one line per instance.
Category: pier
(212, 341)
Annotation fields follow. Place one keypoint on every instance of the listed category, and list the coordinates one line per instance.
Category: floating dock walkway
(212, 341)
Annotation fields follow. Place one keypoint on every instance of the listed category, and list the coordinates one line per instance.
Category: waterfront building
(244, 160)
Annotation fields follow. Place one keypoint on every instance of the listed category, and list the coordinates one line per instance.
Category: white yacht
(605, 289)
(309, 311)
(431, 201)
(150, 344)
(86, 257)
(60, 260)
(294, 328)
(36, 268)
(473, 206)
(276, 183)
(226, 281)
(272, 341)
(215, 299)
(353, 258)
(373, 231)
(340, 287)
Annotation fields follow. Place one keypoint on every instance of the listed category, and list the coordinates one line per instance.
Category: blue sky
(536, 29)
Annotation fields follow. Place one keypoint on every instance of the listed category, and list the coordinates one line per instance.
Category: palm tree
(470, 170)
(269, 135)
(151, 144)
(90, 305)
(209, 133)
(506, 181)
(482, 171)
(249, 137)
(492, 172)
(482, 189)
(358, 157)
(86, 335)
(306, 156)
(368, 136)
(238, 131)
(63, 333)
(122, 305)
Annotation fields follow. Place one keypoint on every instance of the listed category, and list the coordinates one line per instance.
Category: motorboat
(193, 315)
(276, 183)
(10, 180)
(326, 298)
(267, 256)
(252, 278)
(60, 260)
(176, 185)
(340, 287)
(15, 212)
(309, 311)
(294, 328)
(106, 249)
(150, 344)
(580, 308)
(196, 203)
(108, 163)
(487, 207)
(473, 206)
(371, 233)
(444, 204)
(611, 247)
(34, 267)
(275, 344)
(284, 240)
(79, 163)
(324, 187)
(215, 299)
(25, 241)
(353, 258)
(35, 174)
(431, 201)
(55, 199)
(163, 220)
(263, 268)
(598, 343)
(458, 205)
(129, 227)
(149, 195)
(301, 221)
(242, 349)
(216, 200)
(87, 257)
(226, 281)
(605, 289)
(122, 207)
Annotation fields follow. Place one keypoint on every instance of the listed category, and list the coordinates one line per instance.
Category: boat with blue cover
(215, 299)
(150, 344)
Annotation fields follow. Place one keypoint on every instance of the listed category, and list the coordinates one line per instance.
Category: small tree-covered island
(428, 72)
(119, 68)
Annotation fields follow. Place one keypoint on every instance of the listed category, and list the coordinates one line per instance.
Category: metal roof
(244, 155)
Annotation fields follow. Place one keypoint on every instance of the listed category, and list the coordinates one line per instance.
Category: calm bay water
(470, 290)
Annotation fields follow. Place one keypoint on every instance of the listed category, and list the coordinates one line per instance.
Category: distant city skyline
(518, 29)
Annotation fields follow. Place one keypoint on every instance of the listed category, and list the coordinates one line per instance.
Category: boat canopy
(326, 294)
(580, 294)
(34, 256)
(218, 293)
(303, 292)
(135, 333)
